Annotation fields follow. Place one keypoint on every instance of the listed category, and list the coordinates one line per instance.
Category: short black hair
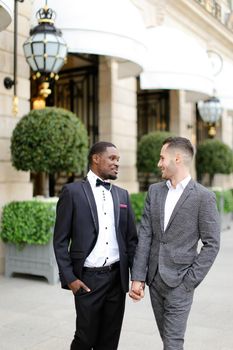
(181, 143)
(97, 148)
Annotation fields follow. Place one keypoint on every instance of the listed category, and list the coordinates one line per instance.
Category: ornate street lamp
(211, 109)
(45, 50)
(210, 112)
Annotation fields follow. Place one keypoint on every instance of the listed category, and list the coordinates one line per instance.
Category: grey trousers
(171, 308)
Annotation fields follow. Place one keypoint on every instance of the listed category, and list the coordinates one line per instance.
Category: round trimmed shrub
(49, 140)
(149, 148)
(213, 157)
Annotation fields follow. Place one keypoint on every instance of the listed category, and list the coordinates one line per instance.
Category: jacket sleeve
(140, 264)
(62, 235)
(131, 233)
(209, 231)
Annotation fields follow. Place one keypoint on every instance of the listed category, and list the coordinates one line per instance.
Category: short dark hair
(181, 143)
(97, 148)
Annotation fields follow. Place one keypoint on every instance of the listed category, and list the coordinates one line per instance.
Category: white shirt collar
(181, 184)
(92, 177)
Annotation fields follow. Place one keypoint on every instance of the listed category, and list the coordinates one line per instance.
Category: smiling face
(167, 162)
(106, 164)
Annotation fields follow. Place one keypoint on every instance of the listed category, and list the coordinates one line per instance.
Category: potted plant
(49, 140)
(26, 228)
(44, 141)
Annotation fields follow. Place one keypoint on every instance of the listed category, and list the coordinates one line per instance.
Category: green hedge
(137, 201)
(225, 199)
(27, 222)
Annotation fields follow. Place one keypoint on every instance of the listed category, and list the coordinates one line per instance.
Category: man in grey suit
(178, 213)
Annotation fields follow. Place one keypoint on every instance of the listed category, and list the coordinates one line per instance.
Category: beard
(112, 177)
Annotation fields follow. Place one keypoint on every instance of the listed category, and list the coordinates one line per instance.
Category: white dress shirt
(106, 250)
(173, 197)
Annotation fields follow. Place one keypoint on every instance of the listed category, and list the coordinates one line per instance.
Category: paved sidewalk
(37, 316)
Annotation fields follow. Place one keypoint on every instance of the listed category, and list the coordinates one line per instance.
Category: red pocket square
(123, 205)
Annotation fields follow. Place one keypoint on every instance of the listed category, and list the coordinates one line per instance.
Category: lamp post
(210, 112)
(45, 50)
(8, 82)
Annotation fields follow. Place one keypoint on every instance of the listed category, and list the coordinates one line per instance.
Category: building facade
(14, 185)
(134, 66)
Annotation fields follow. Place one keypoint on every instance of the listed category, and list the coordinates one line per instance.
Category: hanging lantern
(210, 112)
(45, 50)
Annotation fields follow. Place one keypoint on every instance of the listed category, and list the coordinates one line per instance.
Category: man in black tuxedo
(94, 243)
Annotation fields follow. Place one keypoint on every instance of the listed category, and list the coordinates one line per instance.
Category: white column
(118, 119)
(183, 119)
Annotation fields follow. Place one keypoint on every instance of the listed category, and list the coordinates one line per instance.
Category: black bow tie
(99, 182)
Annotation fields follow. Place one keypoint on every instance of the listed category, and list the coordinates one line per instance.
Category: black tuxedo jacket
(76, 230)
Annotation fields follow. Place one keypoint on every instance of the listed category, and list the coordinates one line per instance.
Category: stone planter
(33, 259)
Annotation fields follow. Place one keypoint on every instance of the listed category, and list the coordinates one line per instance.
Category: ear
(178, 158)
(95, 158)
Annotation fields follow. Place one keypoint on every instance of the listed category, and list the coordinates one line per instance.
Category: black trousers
(99, 313)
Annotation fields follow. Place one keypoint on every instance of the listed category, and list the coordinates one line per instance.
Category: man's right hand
(76, 285)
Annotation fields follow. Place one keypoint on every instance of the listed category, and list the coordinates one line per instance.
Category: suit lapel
(116, 204)
(180, 202)
(162, 204)
(91, 201)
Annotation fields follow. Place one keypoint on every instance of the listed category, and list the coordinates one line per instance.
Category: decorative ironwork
(76, 90)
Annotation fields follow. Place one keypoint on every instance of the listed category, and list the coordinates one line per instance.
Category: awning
(176, 61)
(104, 27)
(223, 85)
(6, 13)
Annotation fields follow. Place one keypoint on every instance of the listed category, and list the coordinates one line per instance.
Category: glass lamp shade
(45, 50)
(210, 110)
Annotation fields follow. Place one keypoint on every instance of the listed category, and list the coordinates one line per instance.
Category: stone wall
(14, 185)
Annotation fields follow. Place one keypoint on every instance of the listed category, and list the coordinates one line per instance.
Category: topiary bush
(49, 140)
(27, 222)
(149, 151)
(213, 157)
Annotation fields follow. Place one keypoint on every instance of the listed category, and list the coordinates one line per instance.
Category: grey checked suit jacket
(174, 252)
